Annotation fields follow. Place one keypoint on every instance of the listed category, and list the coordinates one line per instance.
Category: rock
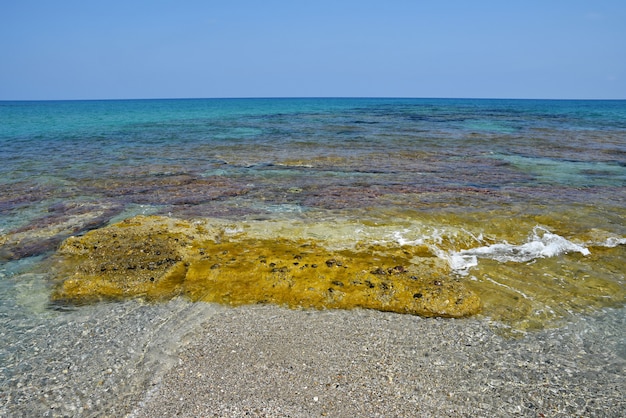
(43, 234)
(141, 256)
(158, 258)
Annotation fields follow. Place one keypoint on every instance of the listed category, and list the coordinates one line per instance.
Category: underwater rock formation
(62, 220)
(158, 258)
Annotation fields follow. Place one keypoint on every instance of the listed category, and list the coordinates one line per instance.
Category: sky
(123, 49)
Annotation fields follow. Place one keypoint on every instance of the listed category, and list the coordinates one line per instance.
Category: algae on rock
(159, 258)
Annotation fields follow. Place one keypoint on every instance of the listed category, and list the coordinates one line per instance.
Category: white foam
(611, 242)
(462, 263)
(458, 262)
(398, 237)
(541, 244)
(233, 231)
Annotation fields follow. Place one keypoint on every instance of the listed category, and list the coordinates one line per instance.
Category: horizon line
(306, 97)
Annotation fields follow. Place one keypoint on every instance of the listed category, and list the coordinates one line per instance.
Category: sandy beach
(203, 360)
(266, 361)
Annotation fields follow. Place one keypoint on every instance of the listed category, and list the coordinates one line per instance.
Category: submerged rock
(159, 258)
(45, 233)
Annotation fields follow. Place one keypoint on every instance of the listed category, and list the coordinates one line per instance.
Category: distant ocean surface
(525, 199)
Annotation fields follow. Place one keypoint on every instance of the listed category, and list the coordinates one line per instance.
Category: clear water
(525, 199)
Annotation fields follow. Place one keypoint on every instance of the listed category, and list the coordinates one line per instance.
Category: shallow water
(524, 200)
(498, 188)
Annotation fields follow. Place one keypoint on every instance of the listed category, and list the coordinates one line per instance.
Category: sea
(525, 200)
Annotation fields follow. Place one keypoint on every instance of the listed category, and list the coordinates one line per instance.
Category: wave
(541, 244)
(610, 242)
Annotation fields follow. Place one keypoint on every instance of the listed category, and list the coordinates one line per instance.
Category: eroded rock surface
(45, 233)
(159, 258)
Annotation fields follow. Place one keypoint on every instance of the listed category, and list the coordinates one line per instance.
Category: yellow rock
(159, 258)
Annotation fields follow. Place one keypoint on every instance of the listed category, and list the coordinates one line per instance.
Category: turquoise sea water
(71, 166)
(118, 150)
(525, 199)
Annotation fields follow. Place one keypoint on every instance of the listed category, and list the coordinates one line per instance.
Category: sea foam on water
(542, 243)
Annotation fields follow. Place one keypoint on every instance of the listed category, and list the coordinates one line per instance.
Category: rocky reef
(62, 220)
(159, 258)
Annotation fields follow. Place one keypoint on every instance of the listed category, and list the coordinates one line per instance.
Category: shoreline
(267, 361)
(331, 198)
(199, 359)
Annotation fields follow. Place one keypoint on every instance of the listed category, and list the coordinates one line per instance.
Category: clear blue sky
(67, 49)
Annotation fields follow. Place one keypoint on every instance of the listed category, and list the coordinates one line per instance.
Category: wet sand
(266, 361)
(197, 359)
